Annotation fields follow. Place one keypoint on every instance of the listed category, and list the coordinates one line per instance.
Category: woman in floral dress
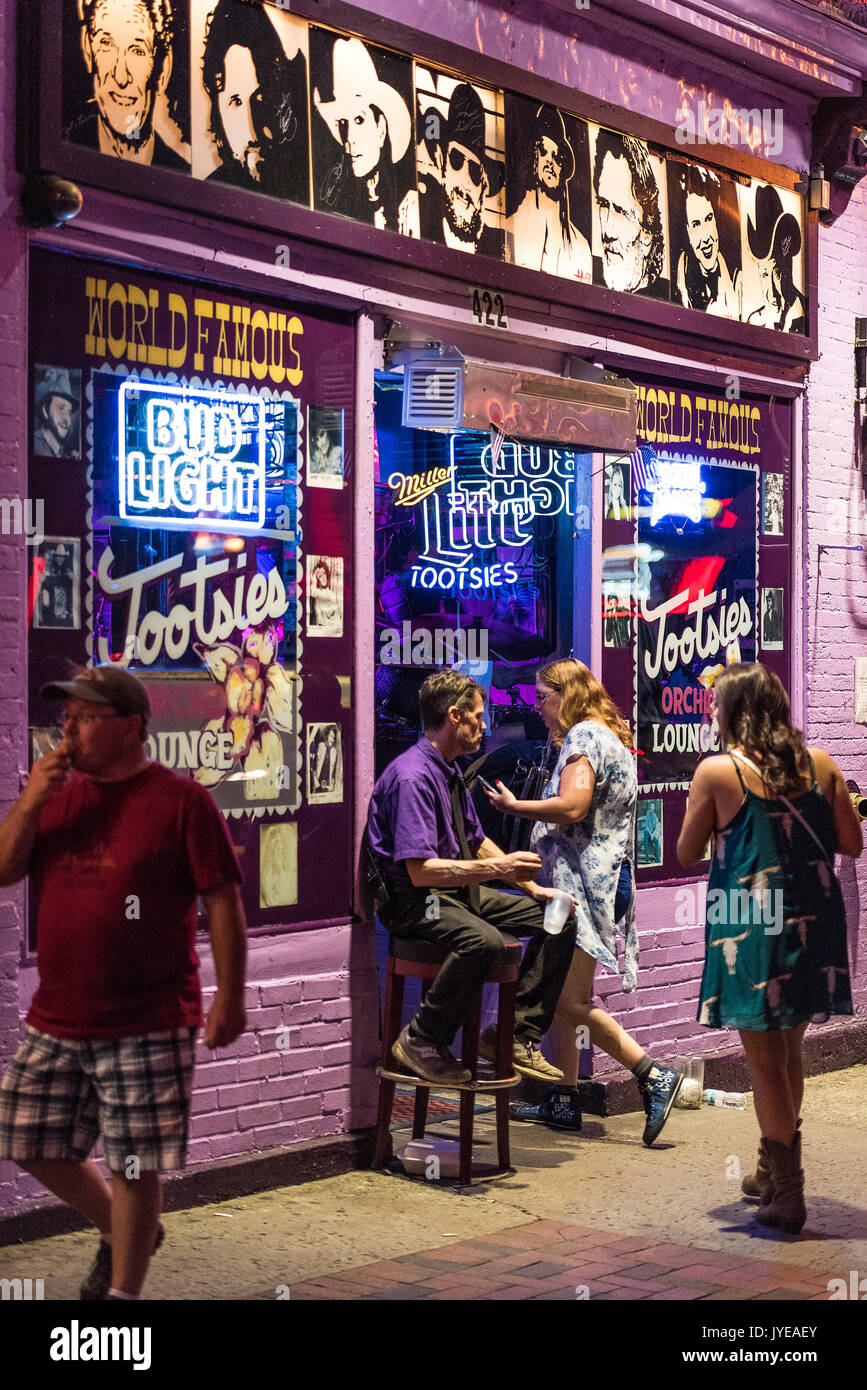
(776, 955)
(584, 837)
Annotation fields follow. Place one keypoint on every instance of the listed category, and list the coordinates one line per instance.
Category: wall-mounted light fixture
(819, 199)
(49, 201)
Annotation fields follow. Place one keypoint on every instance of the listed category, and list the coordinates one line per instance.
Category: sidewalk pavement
(590, 1216)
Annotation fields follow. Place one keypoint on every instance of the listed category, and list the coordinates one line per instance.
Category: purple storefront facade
(252, 303)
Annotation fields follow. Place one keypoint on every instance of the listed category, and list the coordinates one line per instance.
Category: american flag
(642, 462)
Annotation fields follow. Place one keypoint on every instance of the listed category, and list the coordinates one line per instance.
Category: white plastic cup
(556, 911)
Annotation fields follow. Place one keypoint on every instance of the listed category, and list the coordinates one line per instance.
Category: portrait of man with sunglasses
(540, 232)
(452, 204)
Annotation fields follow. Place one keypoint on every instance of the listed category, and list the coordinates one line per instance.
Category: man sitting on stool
(433, 854)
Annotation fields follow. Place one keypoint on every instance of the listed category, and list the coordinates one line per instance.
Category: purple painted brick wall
(835, 620)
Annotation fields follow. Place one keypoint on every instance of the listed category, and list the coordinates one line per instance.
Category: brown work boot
(430, 1062)
(528, 1060)
(526, 1057)
(786, 1208)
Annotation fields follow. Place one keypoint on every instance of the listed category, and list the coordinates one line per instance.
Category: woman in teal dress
(776, 956)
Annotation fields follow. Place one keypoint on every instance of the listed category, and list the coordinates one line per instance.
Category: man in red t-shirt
(118, 849)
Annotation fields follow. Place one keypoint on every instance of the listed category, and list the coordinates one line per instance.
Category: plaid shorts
(59, 1094)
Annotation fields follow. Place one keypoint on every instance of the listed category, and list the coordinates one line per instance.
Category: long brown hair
(755, 712)
(582, 697)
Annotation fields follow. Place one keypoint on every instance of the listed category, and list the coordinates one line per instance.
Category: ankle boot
(758, 1186)
(786, 1209)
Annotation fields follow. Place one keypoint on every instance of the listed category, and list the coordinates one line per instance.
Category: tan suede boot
(786, 1209)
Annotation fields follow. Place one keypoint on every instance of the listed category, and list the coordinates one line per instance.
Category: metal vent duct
(584, 414)
(433, 395)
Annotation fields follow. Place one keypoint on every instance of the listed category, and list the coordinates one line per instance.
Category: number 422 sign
(488, 308)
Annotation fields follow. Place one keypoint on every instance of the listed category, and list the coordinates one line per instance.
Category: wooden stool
(420, 960)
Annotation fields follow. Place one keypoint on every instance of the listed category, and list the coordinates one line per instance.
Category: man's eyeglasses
(87, 720)
(457, 159)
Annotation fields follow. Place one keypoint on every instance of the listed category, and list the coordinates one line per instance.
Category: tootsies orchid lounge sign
(194, 534)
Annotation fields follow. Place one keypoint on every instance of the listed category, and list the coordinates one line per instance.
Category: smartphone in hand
(488, 787)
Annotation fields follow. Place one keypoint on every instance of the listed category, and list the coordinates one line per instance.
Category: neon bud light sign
(186, 454)
(678, 491)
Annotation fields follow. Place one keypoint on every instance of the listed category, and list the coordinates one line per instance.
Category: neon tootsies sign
(186, 454)
(465, 580)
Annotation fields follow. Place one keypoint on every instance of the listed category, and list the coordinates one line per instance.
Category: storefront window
(198, 518)
(695, 570)
(479, 542)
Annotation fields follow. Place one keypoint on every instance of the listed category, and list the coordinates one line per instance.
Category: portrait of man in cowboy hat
(130, 50)
(464, 177)
(363, 164)
(57, 411)
(540, 231)
(774, 239)
(254, 75)
(57, 602)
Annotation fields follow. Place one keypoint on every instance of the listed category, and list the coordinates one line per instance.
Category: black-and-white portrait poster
(460, 160)
(324, 596)
(772, 504)
(704, 236)
(617, 625)
(773, 262)
(324, 447)
(57, 595)
(249, 98)
(630, 216)
(772, 620)
(617, 489)
(548, 207)
(126, 79)
(361, 133)
(324, 763)
(57, 412)
(278, 865)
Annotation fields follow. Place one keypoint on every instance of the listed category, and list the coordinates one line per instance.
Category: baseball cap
(103, 685)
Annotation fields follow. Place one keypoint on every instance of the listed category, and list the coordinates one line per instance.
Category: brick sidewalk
(549, 1260)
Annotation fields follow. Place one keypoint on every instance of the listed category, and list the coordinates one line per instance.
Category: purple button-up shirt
(410, 815)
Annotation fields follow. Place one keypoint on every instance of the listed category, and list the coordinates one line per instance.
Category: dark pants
(475, 945)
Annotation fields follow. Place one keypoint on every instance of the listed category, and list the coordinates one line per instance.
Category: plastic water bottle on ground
(729, 1100)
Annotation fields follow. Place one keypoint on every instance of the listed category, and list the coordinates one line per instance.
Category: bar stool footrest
(501, 1083)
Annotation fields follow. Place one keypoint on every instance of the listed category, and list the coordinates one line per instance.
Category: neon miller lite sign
(186, 454)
